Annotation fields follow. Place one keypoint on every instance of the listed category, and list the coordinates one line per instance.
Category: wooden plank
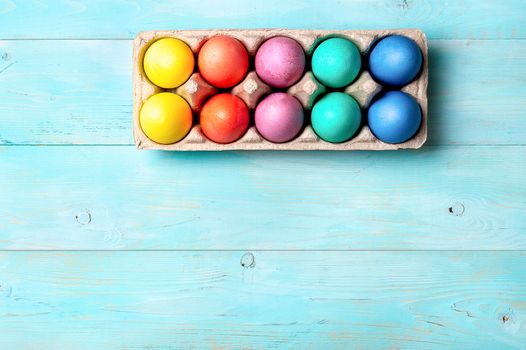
(79, 92)
(97, 197)
(123, 19)
(286, 300)
(65, 92)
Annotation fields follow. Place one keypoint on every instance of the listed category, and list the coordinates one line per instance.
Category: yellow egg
(165, 118)
(168, 62)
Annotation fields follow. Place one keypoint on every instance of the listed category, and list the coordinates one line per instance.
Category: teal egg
(336, 62)
(336, 117)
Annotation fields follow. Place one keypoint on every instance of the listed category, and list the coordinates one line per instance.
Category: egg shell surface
(223, 61)
(395, 117)
(395, 60)
(165, 118)
(168, 62)
(224, 118)
(336, 117)
(279, 117)
(280, 62)
(336, 62)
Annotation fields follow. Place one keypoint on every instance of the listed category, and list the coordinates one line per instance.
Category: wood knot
(83, 218)
(456, 209)
(404, 5)
(248, 261)
(6, 56)
(505, 318)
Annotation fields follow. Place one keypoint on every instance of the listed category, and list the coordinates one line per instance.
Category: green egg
(336, 117)
(336, 62)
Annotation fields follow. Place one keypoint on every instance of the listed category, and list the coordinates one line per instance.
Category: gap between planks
(264, 250)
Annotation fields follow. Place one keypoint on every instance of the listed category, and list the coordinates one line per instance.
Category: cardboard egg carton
(196, 90)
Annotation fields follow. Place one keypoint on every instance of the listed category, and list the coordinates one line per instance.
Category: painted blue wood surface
(263, 200)
(278, 300)
(471, 19)
(411, 249)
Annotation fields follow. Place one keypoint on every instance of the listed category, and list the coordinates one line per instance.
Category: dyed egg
(336, 62)
(395, 117)
(224, 118)
(165, 118)
(279, 117)
(223, 61)
(395, 60)
(336, 117)
(168, 62)
(280, 61)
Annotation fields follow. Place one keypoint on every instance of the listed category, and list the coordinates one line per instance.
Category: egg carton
(196, 90)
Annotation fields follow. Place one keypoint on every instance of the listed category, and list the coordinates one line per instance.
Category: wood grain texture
(79, 92)
(464, 191)
(123, 19)
(279, 300)
(433, 198)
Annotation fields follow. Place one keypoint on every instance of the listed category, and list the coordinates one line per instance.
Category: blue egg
(395, 117)
(395, 60)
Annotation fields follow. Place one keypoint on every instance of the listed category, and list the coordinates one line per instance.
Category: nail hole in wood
(5, 290)
(456, 209)
(404, 5)
(83, 218)
(248, 261)
(505, 318)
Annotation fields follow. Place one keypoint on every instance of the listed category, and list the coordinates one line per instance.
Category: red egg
(224, 118)
(223, 61)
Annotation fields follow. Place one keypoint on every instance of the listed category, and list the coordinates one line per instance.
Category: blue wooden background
(106, 247)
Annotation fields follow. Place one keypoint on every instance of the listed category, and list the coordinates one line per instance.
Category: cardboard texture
(195, 91)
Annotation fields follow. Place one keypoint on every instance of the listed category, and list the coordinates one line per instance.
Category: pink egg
(280, 61)
(279, 117)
